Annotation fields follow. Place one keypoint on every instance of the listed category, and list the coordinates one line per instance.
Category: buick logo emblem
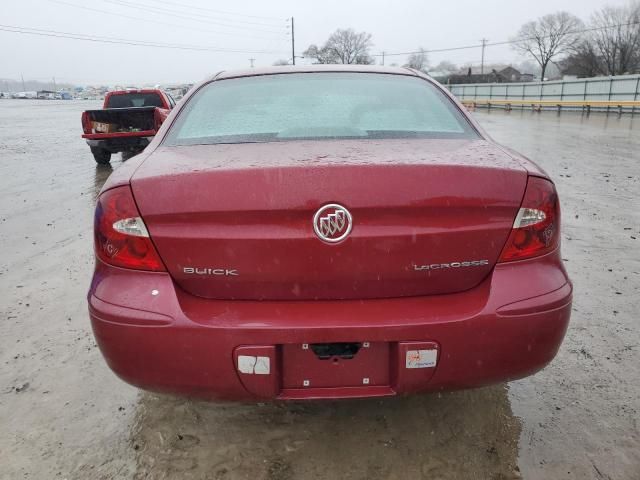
(332, 223)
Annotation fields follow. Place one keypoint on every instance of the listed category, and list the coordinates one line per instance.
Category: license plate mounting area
(327, 351)
(342, 364)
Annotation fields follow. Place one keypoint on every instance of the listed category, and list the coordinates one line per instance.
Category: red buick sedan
(326, 232)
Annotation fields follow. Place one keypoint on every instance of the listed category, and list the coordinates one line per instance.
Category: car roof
(251, 72)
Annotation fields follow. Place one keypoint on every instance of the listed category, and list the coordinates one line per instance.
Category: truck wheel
(101, 156)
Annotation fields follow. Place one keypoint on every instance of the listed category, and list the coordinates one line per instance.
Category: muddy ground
(64, 415)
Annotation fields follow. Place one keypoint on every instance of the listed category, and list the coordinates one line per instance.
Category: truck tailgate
(122, 122)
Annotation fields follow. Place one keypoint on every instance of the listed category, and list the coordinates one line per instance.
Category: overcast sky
(250, 27)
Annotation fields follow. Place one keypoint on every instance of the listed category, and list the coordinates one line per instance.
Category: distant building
(510, 74)
(496, 74)
(46, 94)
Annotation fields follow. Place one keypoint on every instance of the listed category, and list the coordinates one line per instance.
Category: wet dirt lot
(63, 414)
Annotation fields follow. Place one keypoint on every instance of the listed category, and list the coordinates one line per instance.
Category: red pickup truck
(127, 122)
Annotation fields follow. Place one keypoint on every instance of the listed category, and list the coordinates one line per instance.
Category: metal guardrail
(621, 92)
(539, 105)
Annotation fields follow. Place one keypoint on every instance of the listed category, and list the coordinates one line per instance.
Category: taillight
(159, 116)
(86, 123)
(121, 237)
(536, 229)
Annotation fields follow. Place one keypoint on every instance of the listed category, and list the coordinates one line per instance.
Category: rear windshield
(302, 106)
(127, 100)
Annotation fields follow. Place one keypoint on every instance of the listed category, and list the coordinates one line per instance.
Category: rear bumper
(127, 141)
(508, 327)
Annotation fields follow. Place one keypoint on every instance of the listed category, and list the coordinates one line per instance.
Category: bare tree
(320, 54)
(446, 66)
(418, 61)
(583, 62)
(343, 46)
(548, 37)
(616, 36)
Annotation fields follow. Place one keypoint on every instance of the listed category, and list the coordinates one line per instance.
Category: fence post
(635, 95)
(610, 87)
(490, 95)
(506, 96)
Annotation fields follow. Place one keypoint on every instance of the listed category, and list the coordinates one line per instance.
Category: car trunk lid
(236, 221)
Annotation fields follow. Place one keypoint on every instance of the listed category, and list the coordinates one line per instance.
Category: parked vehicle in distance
(324, 232)
(127, 122)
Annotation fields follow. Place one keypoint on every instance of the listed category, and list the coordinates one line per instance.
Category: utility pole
(252, 60)
(293, 43)
(23, 89)
(484, 45)
(54, 85)
(383, 58)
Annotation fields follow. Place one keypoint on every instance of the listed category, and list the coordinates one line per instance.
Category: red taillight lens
(159, 116)
(86, 123)
(536, 229)
(121, 237)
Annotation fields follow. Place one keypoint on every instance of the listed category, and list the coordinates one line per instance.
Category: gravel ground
(63, 414)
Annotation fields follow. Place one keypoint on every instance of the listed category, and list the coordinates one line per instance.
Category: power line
(222, 12)
(203, 18)
(123, 41)
(209, 20)
(573, 32)
(173, 11)
(158, 22)
(505, 42)
(433, 50)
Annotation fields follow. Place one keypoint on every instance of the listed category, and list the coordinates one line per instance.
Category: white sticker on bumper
(421, 358)
(262, 366)
(248, 364)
